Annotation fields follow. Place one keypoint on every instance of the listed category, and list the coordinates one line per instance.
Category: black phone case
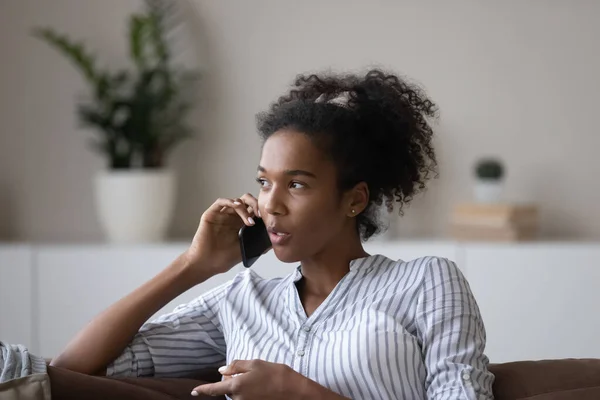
(254, 241)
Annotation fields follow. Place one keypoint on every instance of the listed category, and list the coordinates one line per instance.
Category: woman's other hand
(263, 380)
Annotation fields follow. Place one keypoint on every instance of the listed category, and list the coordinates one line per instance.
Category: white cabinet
(16, 296)
(78, 282)
(538, 301)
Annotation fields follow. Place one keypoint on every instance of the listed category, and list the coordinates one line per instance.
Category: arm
(107, 335)
(452, 333)
(178, 344)
(214, 249)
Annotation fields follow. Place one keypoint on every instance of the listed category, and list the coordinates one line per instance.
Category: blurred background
(516, 81)
(121, 121)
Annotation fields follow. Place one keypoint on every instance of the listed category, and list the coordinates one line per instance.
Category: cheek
(261, 201)
(319, 217)
(315, 223)
(263, 198)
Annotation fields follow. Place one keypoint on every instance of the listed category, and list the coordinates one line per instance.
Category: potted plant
(489, 185)
(138, 116)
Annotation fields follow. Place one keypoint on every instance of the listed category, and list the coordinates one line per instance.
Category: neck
(322, 272)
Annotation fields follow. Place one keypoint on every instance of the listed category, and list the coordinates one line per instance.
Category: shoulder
(246, 281)
(426, 269)
(441, 266)
(442, 285)
(432, 278)
(250, 276)
(249, 279)
(431, 264)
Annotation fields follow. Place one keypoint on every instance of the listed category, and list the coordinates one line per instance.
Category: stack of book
(494, 222)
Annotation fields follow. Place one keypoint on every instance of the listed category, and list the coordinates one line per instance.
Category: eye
(262, 182)
(297, 185)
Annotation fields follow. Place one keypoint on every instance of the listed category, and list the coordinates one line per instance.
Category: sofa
(525, 380)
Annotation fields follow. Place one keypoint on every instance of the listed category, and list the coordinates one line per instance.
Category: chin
(287, 255)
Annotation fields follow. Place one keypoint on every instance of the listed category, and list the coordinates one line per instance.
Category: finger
(232, 206)
(242, 209)
(226, 377)
(221, 204)
(214, 389)
(252, 202)
(238, 367)
(227, 210)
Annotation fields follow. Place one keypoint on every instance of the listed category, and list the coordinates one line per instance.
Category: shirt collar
(356, 265)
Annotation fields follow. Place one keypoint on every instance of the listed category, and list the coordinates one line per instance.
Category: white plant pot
(135, 206)
(489, 191)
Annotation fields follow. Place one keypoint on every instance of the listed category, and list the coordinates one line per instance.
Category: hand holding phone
(254, 242)
(215, 248)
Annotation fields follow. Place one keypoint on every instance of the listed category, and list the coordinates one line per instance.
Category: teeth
(280, 234)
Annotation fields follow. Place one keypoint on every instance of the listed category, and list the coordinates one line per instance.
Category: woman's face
(299, 199)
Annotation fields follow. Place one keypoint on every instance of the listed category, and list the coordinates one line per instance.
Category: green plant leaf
(75, 52)
(139, 114)
(138, 28)
(489, 168)
(158, 13)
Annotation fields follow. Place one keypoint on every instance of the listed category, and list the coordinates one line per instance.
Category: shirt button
(306, 328)
(300, 353)
(466, 377)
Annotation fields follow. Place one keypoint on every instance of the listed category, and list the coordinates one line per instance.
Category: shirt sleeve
(177, 344)
(453, 336)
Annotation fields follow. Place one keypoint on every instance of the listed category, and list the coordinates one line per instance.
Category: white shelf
(538, 299)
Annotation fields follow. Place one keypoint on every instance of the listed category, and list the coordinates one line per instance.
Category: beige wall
(518, 79)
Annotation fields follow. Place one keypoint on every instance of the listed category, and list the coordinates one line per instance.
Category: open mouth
(277, 237)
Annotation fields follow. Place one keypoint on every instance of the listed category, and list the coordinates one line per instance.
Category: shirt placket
(305, 333)
(301, 354)
(303, 328)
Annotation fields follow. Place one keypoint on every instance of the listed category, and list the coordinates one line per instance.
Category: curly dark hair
(380, 135)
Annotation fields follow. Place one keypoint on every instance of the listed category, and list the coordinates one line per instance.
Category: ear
(356, 200)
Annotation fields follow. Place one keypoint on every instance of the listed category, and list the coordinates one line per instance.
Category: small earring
(353, 211)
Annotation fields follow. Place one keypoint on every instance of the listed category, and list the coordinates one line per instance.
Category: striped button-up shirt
(388, 330)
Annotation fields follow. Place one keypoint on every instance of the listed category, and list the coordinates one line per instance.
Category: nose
(273, 202)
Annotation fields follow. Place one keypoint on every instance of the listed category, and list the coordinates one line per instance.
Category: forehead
(290, 150)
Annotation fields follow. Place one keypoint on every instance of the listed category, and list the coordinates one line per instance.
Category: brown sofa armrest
(69, 385)
(525, 379)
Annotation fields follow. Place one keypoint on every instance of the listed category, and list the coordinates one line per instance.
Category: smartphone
(254, 241)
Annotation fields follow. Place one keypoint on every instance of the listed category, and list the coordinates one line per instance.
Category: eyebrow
(291, 172)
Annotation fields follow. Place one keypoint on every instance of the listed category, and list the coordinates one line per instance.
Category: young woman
(345, 324)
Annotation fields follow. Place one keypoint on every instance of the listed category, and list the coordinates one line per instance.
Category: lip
(278, 239)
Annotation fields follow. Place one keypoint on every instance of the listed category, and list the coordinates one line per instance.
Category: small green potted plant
(489, 185)
(138, 116)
